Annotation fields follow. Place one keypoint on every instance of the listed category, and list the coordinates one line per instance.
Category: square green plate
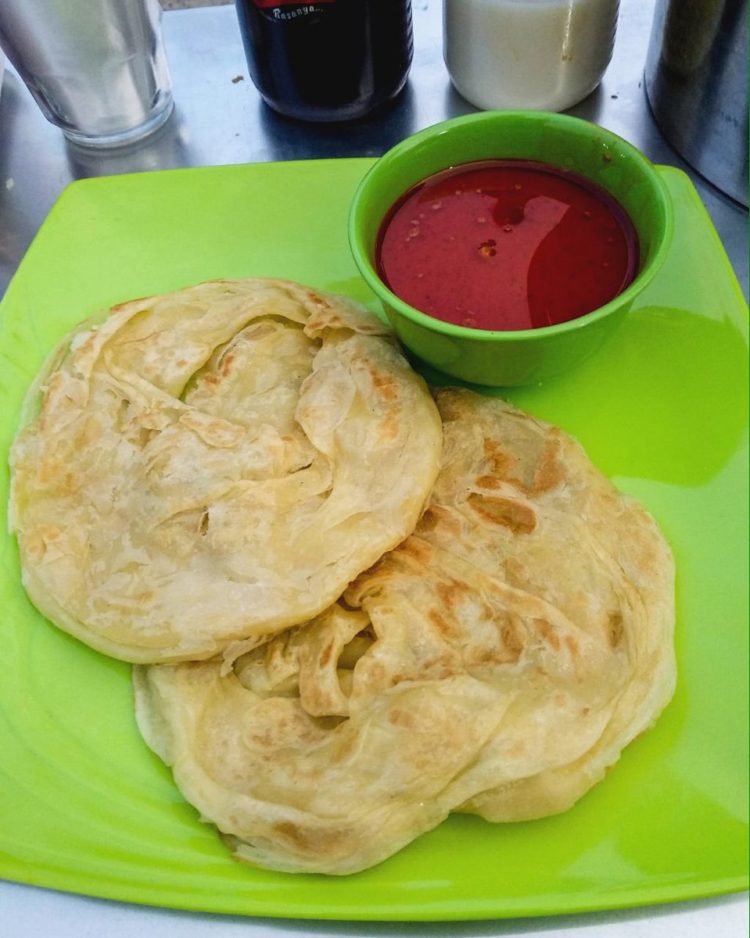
(662, 410)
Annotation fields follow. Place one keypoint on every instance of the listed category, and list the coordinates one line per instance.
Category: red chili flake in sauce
(507, 245)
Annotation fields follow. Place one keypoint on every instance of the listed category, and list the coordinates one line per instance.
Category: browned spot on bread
(389, 426)
(384, 385)
(416, 549)
(314, 299)
(499, 462)
(226, 363)
(515, 516)
(311, 841)
(572, 645)
(326, 653)
(488, 482)
(498, 654)
(429, 521)
(501, 466)
(444, 627)
(401, 718)
(436, 517)
(451, 593)
(450, 404)
(516, 573)
(615, 630)
(547, 633)
(512, 638)
(549, 471)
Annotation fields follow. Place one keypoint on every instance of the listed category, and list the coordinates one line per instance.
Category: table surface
(220, 119)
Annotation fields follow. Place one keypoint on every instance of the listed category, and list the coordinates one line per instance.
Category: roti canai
(214, 465)
(496, 662)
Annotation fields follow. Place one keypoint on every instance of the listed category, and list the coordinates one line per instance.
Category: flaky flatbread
(213, 465)
(496, 662)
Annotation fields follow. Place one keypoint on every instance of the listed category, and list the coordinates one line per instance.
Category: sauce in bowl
(506, 245)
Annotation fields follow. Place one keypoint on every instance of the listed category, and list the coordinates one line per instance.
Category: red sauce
(506, 245)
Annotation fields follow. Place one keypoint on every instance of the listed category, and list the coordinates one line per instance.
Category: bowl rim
(643, 277)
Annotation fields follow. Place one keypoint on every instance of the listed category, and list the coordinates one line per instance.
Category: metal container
(697, 85)
(96, 68)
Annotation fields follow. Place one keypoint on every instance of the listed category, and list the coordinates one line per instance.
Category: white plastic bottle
(535, 54)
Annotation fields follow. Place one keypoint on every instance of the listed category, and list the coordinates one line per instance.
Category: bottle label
(290, 9)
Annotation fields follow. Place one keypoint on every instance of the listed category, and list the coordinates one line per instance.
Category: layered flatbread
(214, 465)
(496, 662)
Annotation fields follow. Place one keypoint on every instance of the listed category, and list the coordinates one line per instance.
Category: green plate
(661, 409)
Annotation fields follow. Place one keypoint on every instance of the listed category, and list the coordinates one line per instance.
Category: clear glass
(96, 68)
(532, 54)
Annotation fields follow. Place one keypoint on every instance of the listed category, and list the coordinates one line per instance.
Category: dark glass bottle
(327, 60)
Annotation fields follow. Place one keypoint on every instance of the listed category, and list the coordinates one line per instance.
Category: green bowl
(504, 358)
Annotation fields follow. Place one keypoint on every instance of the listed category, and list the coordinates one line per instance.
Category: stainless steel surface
(97, 71)
(696, 82)
(219, 119)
